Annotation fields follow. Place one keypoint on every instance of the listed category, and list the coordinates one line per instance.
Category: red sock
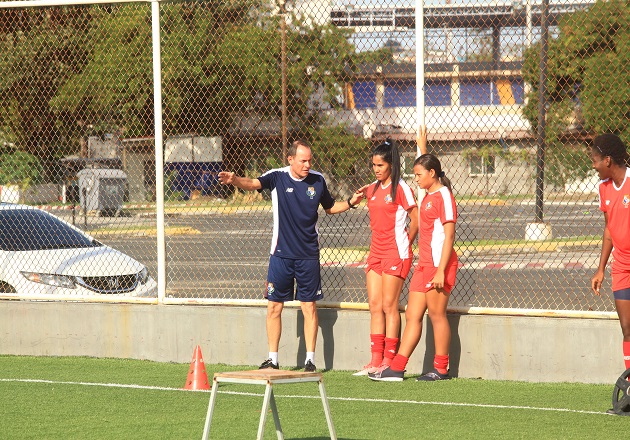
(440, 362)
(390, 348)
(399, 363)
(626, 354)
(377, 345)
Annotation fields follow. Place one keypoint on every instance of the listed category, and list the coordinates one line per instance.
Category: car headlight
(52, 280)
(143, 276)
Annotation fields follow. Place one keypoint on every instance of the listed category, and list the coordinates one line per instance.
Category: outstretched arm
(352, 201)
(228, 178)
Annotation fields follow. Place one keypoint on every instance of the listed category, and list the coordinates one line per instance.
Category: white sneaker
(369, 368)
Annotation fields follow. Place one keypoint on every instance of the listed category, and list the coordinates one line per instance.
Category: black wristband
(350, 204)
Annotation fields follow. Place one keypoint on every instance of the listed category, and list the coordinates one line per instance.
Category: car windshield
(32, 230)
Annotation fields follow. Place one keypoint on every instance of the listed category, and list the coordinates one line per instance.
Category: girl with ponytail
(391, 203)
(434, 276)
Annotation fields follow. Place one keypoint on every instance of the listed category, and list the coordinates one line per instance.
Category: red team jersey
(616, 202)
(388, 220)
(435, 209)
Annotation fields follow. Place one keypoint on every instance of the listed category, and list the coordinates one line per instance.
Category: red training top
(436, 209)
(388, 220)
(615, 201)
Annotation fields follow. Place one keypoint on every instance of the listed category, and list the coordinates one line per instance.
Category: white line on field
(344, 399)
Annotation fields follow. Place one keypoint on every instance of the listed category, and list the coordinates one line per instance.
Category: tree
(20, 168)
(588, 75)
(213, 68)
(64, 71)
(39, 50)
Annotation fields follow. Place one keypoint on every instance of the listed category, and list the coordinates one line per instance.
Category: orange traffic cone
(197, 378)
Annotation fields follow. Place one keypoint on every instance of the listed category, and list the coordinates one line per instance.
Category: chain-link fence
(241, 79)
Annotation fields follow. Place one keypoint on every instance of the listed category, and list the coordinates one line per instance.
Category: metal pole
(283, 67)
(46, 3)
(159, 158)
(542, 109)
(528, 21)
(420, 111)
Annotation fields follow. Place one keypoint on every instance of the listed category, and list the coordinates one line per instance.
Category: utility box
(102, 190)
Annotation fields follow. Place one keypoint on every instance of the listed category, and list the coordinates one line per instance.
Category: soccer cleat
(432, 376)
(369, 368)
(268, 364)
(309, 367)
(387, 375)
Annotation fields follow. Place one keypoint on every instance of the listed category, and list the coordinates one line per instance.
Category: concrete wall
(490, 347)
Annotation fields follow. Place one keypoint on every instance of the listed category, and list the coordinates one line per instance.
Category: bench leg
(331, 427)
(213, 400)
(269, 400)
(276, 418)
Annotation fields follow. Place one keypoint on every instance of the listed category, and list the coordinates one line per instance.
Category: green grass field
(87, 398)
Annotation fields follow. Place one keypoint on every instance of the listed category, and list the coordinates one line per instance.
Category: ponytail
(430, 162)
(388, 150)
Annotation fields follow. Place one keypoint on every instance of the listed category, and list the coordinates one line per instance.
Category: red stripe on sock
(626, 354)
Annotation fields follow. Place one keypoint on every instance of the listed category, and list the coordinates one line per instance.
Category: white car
(41, 254)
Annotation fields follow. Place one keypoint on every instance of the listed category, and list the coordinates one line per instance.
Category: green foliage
(65, 71)
(336, 151)
(39, 50)
(588, 82)
(170, 194)
(213, 69)
(20, 168)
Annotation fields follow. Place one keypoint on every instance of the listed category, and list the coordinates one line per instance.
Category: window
(33, 230)
(437, 93)
(481, 166)
(400, 93)
(364, 94)
(488, 92)
(406, 165)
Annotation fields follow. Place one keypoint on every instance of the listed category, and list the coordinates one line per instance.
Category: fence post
(159, 158)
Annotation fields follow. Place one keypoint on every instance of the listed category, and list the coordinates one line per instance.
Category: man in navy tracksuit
(296, 192)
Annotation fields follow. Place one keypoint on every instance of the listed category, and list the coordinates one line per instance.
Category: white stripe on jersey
(449, 209)
(437, 241)
(276, 221)
(411, 200)
(400, 232)
(438, 236)
(400, 225)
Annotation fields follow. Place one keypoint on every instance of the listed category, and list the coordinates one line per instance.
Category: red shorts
(422, 276)
(620, 278)
(390, 266)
